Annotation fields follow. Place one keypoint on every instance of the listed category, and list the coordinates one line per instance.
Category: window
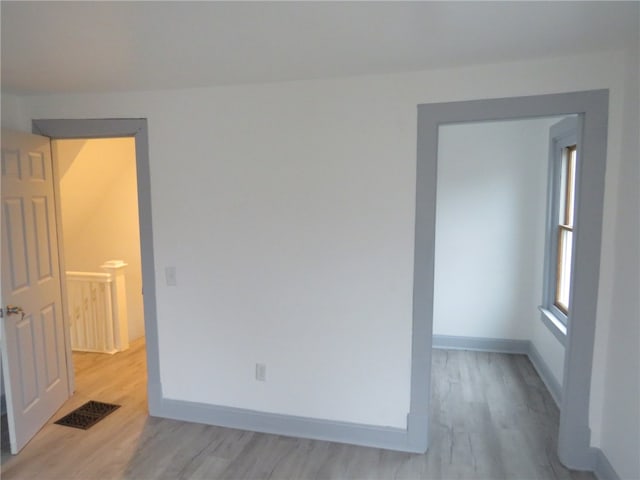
(564, 227)
(564, 162)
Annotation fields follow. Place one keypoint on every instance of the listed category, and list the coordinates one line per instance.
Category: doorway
(135, 128)
(491, 216)
(97, 188)
(574, 433)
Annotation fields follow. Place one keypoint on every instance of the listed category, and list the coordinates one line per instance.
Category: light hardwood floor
(492, 419)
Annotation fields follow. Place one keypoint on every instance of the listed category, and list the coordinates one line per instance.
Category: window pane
(562, 193)
(565, 238)
(571, 185)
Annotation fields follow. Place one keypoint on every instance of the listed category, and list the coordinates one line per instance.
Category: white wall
(621, 409)
(99, 203)
(288, 210)
(549, 348)
(490, 225)
(13, 115)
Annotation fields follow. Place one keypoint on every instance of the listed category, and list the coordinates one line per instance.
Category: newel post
(115, 268)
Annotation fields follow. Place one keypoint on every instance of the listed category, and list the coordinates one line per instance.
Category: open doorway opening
(99, 221)
(491, 241)
(135, 128)
(493, 356)
(574, 448)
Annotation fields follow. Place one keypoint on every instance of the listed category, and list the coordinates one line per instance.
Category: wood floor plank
(492, 418)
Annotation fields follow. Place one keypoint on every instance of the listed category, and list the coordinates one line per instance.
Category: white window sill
(554, 324)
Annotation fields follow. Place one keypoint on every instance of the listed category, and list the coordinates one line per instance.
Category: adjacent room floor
(492, 419)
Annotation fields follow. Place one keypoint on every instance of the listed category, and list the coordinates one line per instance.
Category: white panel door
(33, 339)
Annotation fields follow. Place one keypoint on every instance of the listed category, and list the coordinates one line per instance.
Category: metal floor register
(87, 415)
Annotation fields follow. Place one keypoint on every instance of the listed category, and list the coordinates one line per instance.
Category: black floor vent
(87, 415)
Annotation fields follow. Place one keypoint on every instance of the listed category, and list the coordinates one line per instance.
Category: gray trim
(561, 135)
(602, 468)
(137, 128)
(417, 433)
(552, 384)
(287, 425)
(574, 433)
(3, 404)
(554, 325)
(500, 345)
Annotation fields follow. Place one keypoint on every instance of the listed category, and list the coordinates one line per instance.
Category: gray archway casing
(136, 128)
(574, 433)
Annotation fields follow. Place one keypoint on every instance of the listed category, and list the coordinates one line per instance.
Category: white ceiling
(114, 46)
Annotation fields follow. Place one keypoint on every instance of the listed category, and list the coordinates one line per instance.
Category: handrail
(90, 276)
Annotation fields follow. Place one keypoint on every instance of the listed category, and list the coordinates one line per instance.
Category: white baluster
(91, 311)
(119, 301)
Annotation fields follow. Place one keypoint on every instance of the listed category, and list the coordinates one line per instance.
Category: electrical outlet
(170, 274)
(261, 372)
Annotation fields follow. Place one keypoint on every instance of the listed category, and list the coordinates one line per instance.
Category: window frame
(564, 215)
(562, 135)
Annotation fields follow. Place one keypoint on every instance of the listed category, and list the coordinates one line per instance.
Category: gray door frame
(136, 128)
(574, 433)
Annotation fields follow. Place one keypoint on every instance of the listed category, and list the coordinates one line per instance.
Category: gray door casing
(592, 106)
(136, 128)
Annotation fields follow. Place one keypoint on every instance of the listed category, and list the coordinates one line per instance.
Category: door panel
(33, 342)
(15, 241)
(43, 238)
(52, 356)
(11, 163)
(37, 168)
(26, 362)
